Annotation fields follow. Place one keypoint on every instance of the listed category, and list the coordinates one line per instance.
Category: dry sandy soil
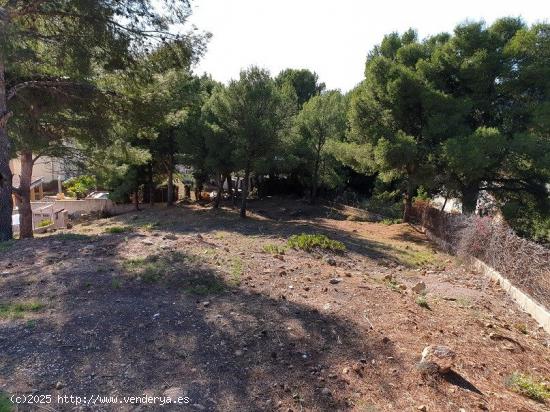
(189, 301)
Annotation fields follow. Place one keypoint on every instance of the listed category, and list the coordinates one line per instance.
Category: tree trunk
(170, 190)
(230, 187)
(236, 194)
(469, 198)
(408, 202)
(444, 203)
(313, 189)
(245, 191)
(25, 210)
(150, 185)
(6, 201)
(220, 192)
(136, 199)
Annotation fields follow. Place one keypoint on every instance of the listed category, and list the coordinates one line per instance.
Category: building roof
(36, 182)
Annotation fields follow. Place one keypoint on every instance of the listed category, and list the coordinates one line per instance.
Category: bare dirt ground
(198, 302)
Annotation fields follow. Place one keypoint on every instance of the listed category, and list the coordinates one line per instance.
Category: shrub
(528, 386)
(80, 186)
(274, 249)
(385, 203)
(315, 242)
(422, 302)
(45, 222)
(117, 229)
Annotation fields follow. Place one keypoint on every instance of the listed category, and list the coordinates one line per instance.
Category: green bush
(117, 229)
(274, 249)
(422, 302)
(5, 403)
(528, 386)
(385, 203)
(45, 222)
(315, 242)
(80, 186)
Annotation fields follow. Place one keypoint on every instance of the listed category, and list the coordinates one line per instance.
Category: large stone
(174, 393)
(420, 287)
(438, 356)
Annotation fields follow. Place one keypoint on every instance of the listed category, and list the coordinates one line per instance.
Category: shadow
(190, 219)
(418, 237)
(456, 379)
(225, 347)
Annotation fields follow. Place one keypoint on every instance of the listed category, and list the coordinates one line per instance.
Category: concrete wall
(86, 206)
(525, 302)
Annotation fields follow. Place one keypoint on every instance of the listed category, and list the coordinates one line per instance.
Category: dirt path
(191, 302)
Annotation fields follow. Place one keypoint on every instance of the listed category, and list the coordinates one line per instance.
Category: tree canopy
(110, 87)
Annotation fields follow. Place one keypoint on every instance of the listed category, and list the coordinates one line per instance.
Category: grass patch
(415, 258)
(45, 222)
(153, 268)
(422, 302)
(315, 242)
(274, 249)
(205, 286)
(393, 285)
(528, 386)
(150, 226)
(389, 221)
(521, 327)
(464, 302)
(16, 310)
(70, 236)
(5, 403)
(220, 235)
(116, 284)
(236, 272)
(117, 229)
(7, 245)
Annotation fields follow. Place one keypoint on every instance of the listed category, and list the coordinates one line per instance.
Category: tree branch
(4, 117)
(45, 84)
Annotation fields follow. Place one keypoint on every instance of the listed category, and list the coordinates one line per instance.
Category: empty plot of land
(224, 311)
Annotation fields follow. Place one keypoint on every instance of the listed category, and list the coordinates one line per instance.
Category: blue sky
(329, 37)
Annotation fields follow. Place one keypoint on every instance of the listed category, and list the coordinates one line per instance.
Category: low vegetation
(5, 403)
(45, 222)
(393, 285)
(274, 249)
(205, 286)
(15, 310)
(149, 226)
(389, 221)
(117, 229)
(528, 386)
(5, 246)
(422, 301)
(153, 268)
(314, 242)
(237, 269)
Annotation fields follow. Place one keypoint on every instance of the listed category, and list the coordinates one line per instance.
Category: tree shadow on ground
(227, 348)
(194, 219)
